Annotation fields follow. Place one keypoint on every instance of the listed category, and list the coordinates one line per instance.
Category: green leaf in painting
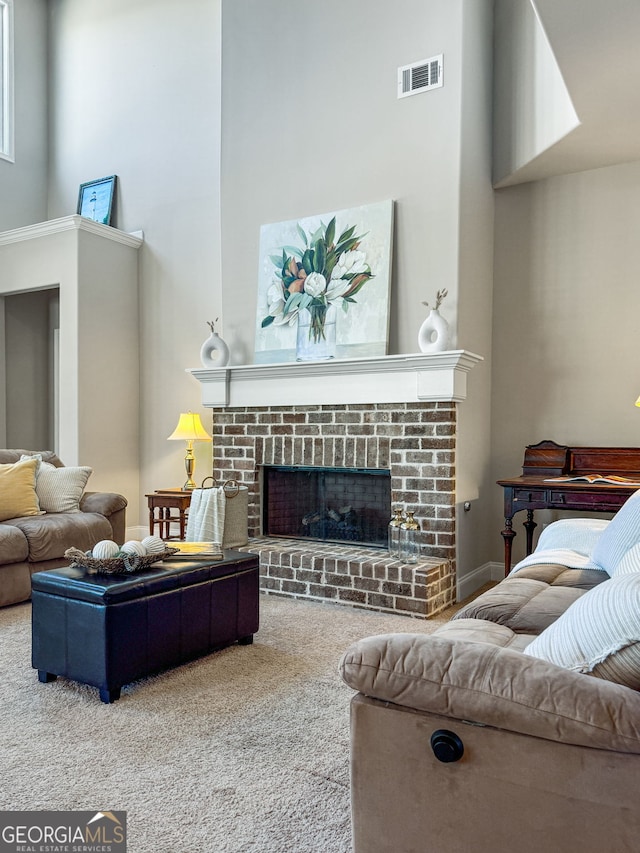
(359, 283)
(347, 245)
(307, 261)
(267, 321)
(305, 301)
(302, 234)
(346, 234)
(292, 303)
(330, 233)
(293, 250)
(320, 256)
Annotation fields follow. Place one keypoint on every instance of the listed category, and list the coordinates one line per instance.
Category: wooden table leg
(530, 526)
(507, 534)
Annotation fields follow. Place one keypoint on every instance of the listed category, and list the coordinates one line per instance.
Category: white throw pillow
(629, 563)
(598, 634)
(60, 489)
(622, 533)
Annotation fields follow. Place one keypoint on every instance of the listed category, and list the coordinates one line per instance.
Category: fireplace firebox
(345, 505)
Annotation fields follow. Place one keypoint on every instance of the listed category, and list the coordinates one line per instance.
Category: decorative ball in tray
(107, 557)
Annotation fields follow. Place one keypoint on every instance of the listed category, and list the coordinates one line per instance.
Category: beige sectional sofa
(514, 727)
(33, 542)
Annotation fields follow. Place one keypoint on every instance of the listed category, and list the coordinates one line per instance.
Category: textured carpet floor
(244, 750)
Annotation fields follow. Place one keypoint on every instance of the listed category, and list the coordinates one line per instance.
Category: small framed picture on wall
(96, 198)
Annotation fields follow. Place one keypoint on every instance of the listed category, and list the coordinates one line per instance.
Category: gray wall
(23, 184)
(475, 296)
(29, 365)
(317, 127)
(136, 93)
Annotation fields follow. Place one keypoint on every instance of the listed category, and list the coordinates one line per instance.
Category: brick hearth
(414, 441)
(348, 575)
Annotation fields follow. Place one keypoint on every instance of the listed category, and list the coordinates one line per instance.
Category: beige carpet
(244, 750)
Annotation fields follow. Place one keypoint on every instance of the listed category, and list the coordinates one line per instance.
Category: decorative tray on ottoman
(116, 565)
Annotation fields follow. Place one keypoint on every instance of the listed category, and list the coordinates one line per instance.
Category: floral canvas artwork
(323, 289)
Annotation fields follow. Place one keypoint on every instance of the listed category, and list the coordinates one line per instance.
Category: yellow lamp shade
(189, 429)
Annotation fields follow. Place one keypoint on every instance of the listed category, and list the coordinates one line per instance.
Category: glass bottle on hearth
(394, 532)
(409, 530)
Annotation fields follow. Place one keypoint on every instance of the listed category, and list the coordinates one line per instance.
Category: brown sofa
(461, 742)
(33, 543)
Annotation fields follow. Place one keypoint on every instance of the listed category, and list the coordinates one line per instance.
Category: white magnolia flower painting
(323, 288)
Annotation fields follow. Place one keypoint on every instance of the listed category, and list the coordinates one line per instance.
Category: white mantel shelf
(420, 377)
(71, 223)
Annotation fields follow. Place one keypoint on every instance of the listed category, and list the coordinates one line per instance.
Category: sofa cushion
(13, 545)
(482, 631)
(599, 634)
(60, 489)
(17, 490)
(50, 535)
(560, 575)
(531, 600)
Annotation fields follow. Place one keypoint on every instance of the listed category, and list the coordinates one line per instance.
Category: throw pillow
(60, 489)
(37, 456)
(622, 532)
(17, 490)
(629, 563)
(598, 634)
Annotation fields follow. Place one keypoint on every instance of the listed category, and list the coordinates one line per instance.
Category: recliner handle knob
(446, 746)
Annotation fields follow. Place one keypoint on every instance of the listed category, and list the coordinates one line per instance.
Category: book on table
(196, 550)
(612, 479)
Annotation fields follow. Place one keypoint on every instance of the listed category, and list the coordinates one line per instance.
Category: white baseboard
(472, 581)
(136, 532)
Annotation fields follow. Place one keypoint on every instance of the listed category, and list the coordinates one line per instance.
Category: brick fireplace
(413, 439)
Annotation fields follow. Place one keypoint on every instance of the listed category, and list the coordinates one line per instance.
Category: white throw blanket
(205, 522)
(569, 542)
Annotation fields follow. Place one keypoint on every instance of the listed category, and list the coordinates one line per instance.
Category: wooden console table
(164, 501)
(532, 490)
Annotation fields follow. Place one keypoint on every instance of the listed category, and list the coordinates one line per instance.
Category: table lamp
(189, 429)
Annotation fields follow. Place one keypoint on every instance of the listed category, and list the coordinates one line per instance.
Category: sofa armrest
(112, 506)
(493, 686)
(106, 503)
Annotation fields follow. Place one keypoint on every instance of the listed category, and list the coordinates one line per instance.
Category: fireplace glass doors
(344, 505)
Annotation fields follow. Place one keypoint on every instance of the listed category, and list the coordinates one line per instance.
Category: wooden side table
(164, 500)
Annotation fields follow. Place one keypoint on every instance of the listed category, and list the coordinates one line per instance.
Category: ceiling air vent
(420, 76)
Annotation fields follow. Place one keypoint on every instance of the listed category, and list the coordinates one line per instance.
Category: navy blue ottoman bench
(110, 630)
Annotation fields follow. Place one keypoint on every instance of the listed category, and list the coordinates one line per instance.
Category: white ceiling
(597, 48)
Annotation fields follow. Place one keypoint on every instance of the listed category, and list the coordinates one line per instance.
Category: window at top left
(6, 79)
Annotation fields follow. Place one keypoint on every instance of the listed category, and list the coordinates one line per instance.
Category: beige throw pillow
(17, 490)
(60, 489)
